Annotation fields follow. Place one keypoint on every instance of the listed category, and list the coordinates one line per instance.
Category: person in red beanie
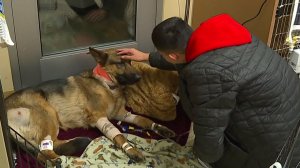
(242, 97)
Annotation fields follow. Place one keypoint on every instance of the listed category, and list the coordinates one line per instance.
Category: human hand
(132, 54)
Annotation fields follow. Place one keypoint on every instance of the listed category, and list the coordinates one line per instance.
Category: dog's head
(118, 70)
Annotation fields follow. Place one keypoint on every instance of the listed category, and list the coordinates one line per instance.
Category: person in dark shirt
(242, 97)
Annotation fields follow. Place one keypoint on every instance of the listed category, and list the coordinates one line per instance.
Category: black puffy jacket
(244, 101)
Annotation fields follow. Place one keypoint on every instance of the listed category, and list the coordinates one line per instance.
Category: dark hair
(171, 35)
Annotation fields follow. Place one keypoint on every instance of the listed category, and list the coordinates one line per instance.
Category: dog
(90, 99)
(155, 94)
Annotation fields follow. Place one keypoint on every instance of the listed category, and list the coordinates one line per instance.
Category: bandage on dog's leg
(46, 150)
(126, 146)
(153, 126)
(136, 120)
(129, 117)
(122, 143)
(107, 128)
(110, 131)
(131, 151)
(146, 124)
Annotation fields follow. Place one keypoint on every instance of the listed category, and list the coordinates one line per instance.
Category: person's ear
(173, 56)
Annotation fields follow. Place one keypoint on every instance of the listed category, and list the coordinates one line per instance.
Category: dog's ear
(100, 56)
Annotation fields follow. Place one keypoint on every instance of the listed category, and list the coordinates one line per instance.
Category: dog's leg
(72, 146)
(110, 131)
(49, 124)
(46, 150)
(45, 155)
(52, 149)
(35, 123)
(144, 123)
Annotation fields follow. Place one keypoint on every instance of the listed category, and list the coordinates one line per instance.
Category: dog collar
(98, 70)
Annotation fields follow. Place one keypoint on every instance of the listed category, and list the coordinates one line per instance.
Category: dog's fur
(155, 94)
(38, 112)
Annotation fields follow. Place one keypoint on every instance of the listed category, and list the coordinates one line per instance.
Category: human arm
(213, 97)
(154, 58)
(132, 54)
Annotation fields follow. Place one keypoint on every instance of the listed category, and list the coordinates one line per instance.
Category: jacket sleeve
(156, 60)
(212, 99)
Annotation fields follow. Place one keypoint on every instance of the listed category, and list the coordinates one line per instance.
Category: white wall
(175, 8)
(6, 81)
(5, 71)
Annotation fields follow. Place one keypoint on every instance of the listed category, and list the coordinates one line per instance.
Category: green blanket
(102, 153)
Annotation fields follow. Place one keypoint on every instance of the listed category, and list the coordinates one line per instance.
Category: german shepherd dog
(86, 100)
(155, 94)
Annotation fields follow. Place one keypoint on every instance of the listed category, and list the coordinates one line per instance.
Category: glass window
(70, 24)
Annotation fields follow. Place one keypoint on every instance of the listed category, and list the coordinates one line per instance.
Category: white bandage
(123, 146)
(46, 145)
(107, 128)
(126, 146)
(129, 147)
(152, 126)
(129, 117)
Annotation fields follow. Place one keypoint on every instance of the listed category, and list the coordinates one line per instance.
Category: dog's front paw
(163, 130)
(135, 154)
